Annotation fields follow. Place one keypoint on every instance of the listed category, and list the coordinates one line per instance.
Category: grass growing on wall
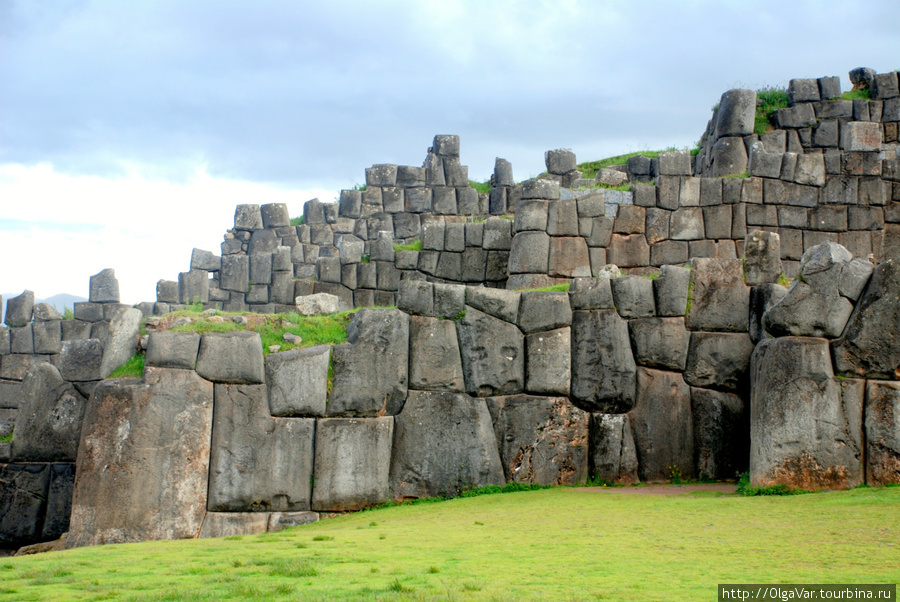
(772, 99)
(577, 544)
(297, 221)
(857, 94)
(481, 187)
(415, 245)
(6, 438)
(589, 169)
(133, 368)
(314, 330)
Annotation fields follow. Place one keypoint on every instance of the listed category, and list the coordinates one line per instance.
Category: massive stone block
(718, 360)
(80, 361)
(444, 443)
(122, 341)
(234, 358)
(59, 501)
(231, 524)
(530, 253)
(613, 457)
(568, 257)
(663, 426)
(435, 363)
(549, 361)
(48, 426)
(371, 369)
(493, 354)
(173, 350)
(870, 346)
(143, 463)
(19, 309)
(882, 424)
(543, 310)
(719, 299)
(297, 381)
(257, 463)
(603, 368)
(721, 433)
(542, 439)
(353, 460)
(660, 342)
(498, 302)
(23, 501)
(104, 287)
(736, 113)
(803, 431)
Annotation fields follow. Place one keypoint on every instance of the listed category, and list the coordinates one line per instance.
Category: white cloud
(56, 230)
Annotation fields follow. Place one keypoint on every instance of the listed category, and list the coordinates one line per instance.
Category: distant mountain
(60, 301)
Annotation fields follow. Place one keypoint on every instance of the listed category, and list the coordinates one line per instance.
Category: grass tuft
(589, 169)
(857, 94)
(415, 245)
(772, 98)
(744, 488)
(481, 187)
(133, 368)
(297, 221)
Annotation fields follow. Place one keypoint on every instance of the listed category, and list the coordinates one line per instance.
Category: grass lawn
(559, 544)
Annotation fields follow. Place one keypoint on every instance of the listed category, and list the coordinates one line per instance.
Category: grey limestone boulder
(719, 360)
(882, 433)
(257, 463)
(285, 520)
(193, 287)
(529, 253)
(762, 258)
(104, 288)
(371, 369)
(804, 431)
(234, 358)
(543, 310)
(662, 425)
(721, 433)
(633, 296)
(166, 292)
(531, 215)
(235, 273)
(729, 156)
(603, 368)
(47, 336)
(416, 297)
(870, 346)
(568, 257)
(542, 440)
(247, 217)
(675, 163)
(173, 350)
(150, 480)
(297, 381)
(444, 443)
(275, 215)
(205, 260)
(59, 501)
(613, 458)
(48, 425)
(592, 293)
(762, 299)
(560, 161)
(21, 340)
(497, 234)
(449, 300)
(435, 361)
(44, 312)
(736, 114)
(719, 299)
(670, 290)
(19, 309)
(23, 498)
(122, 341)
(660, 342)
(353, 463)
(540, 189)
(497, 302)
(233, 524)
(548, 366)
(493, 354)
(317, 304)
(81, 360)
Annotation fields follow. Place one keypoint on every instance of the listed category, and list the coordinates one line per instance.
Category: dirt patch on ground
(663, 489)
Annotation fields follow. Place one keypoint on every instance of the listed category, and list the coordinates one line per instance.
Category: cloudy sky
(130, 130)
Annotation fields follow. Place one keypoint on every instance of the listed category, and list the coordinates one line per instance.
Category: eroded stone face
(882, 432)
(143, 465)
(493, 354)
(603, 368)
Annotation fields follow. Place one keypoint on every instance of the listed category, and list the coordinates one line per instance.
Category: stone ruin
(676, 351)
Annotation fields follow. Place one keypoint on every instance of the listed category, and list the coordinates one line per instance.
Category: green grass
(296, 221)
(589, 169)
(415, 245)
(552, 544)
(745, 488)
(481, 187)
(772, 98)
(857, 94)
(554, 288)
(6, 438)
(315, 330)
(68, 314)
(133, 368)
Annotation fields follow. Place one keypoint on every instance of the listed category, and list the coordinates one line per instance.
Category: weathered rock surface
(434, 359)
(762, 258)
(544, 310)
(48, 426)
(59, 501)
(719, 298)
(232, 358)
(173, 350)
(444, 443)
(762, 299)
(718, 360)
(803, 432)
(23, 496)
(79, 361)
(721, 433)
(371, 370)
(870, 346)
(660, 342)
(542, 439)
(257, 463)
(104, 287)
(663, 427)
(603, 368)
(297, 381)
(143, 462)
(317, 304)
(882, 432)
(230, 524)
(613, 457)
(549, 361)
(122, 341)
(19, 309)
(493, 354)
(353, 460)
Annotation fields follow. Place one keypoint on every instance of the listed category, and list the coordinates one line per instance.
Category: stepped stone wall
(675, 352)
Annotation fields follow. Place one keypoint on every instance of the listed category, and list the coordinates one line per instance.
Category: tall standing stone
(603, 368)
(104, 287)
(663, 427)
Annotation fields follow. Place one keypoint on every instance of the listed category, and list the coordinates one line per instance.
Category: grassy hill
(559, 544)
